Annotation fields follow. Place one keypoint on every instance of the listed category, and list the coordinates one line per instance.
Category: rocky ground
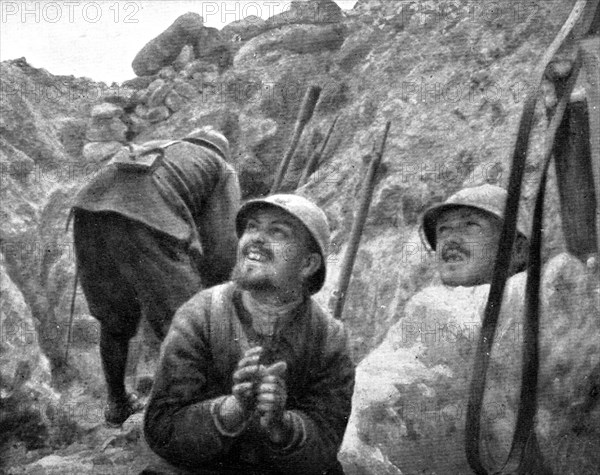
(451, 78)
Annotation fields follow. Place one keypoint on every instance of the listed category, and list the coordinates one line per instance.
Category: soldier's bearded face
(467, 242)
(272, 252)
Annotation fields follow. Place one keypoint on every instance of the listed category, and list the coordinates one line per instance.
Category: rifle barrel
(357, 227)
(313, 161)
(306, 111)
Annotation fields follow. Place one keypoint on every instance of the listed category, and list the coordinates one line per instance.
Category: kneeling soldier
(254, 376)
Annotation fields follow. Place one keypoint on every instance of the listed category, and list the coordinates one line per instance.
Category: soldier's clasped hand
(238, 408)
(271, 396)
(245, 377)
(262, 389)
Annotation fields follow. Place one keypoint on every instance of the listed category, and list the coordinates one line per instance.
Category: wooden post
(313, 161)
(357, 228)
(590, 52)
(306, 111)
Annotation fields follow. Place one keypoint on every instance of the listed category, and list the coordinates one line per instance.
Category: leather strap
(205, 144)
(524, 455)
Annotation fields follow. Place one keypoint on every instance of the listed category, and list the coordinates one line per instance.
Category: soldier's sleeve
(219, 240)
(322, 413)
(179, 420)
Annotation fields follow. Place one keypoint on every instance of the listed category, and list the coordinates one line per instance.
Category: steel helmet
(488, 198)
(212, 138)
(308, 213)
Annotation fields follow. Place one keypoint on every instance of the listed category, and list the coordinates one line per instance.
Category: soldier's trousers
(128, 270)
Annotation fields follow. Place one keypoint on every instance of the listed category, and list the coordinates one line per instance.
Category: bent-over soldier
(146, 240)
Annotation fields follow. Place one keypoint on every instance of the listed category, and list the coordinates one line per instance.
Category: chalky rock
(198, 80)
(167, 73)
(25, 377)
(184, 89)
(85, 332)
(165, 48)
(411, 394)
(21, 122)
(198, 66)
(100, 151)
(210, 78)
(140, 97)
(159, 95)
(20, 353)
(334, 95)
(141, 82)
(136, 124)
(72, 135)
(311, 39)
(212, 48)
(301, 39)
(488, 173)
(141, 111)
(106, 111)
(20, 166)
(568, 426)
(174, 101)
(158, 114)
(154, 85)
(356, 48)
(245, 29)
(185, 57)
(121, 98)
(256, 131)
(207, 42)
(106, 130)
(311, 11)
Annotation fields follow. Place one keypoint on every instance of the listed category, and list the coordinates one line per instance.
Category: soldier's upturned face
(467, 242)
(272, 252)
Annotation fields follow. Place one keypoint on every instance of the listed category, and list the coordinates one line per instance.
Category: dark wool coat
(193, 197)
(208, 337)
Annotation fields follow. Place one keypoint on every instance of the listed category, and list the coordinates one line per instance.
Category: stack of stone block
(106, 132)
(177, 62)
(164, 96)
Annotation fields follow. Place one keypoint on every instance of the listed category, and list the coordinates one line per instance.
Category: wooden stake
(357, 228)
(306, 111)
(313, 161)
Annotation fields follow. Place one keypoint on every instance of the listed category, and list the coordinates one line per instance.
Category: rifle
(313, 162)
(306, 111)
(357, 227)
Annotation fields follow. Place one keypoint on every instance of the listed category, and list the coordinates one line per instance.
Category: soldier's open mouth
(453, 255)
(257, 254)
